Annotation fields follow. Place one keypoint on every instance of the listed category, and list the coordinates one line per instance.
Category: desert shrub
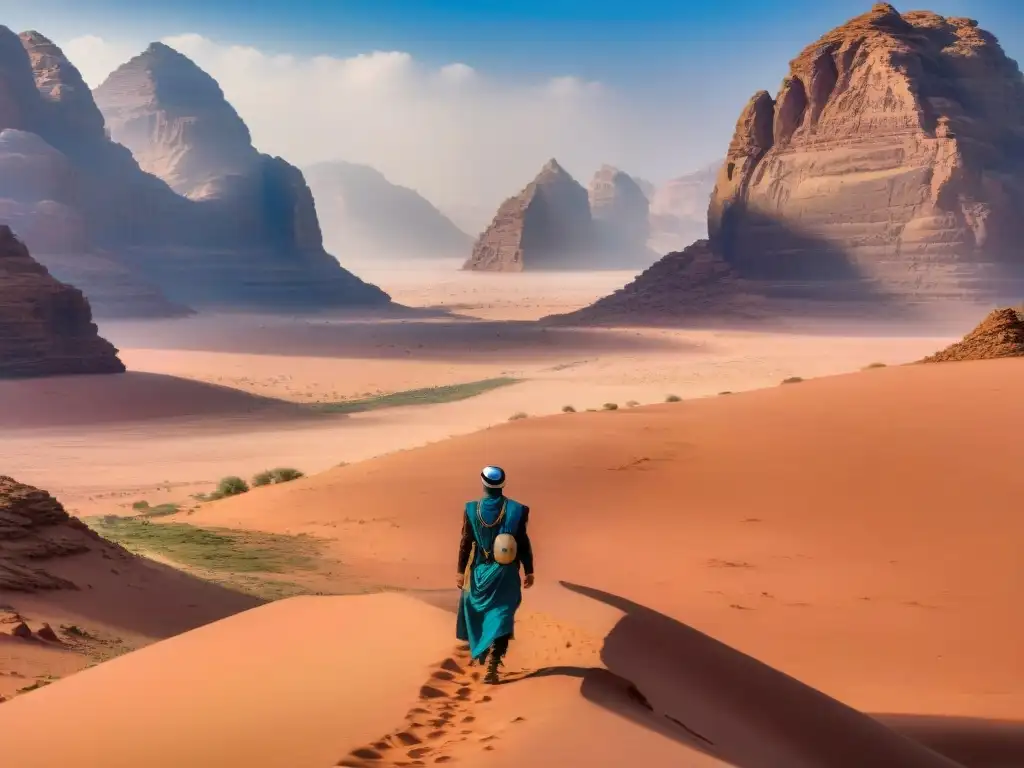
(230, 486)
(673, 399)
(274, 476)
(792, 380)
(568, 409)
(632, 404)
(725, 392)
(874, 365)
(517, 416)
(140, 505)
(610, 407)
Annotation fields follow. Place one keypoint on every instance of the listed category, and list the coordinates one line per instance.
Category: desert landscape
(765, 413)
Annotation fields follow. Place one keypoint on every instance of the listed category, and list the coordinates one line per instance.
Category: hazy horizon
(653, 89)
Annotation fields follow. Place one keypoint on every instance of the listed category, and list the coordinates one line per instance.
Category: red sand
(860, 533)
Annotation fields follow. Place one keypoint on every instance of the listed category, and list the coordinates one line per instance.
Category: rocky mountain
(892, 153)
(46, 327)
(253, 215)
(679, 210)
(96, 218)
(546, 226)
(620, 211)
(886, 176)
(365, 215)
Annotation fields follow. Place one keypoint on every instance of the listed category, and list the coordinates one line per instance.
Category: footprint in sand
(442, 717)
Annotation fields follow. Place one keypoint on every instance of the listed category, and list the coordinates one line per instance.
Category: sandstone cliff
(46, 327)
(366, 216)
(251, 242)
(893, 153)
(620, 211)
(546, 226)
(1001, 334)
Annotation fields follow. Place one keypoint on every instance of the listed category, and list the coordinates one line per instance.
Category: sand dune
(95, 401)
(859, 532)
(285, 685)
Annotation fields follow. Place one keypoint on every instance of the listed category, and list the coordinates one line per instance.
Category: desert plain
(855, 531)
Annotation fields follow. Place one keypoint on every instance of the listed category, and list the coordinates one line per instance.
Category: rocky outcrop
(546, 226)
(36, 533)
(245, 237)
(46, 327)
(893, 153)
(685, 286)
(620, 211)
(1001, 334)
(679, 210)
(366, 216)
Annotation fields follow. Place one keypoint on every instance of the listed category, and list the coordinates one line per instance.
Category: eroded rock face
(46, 327)
(35, 533)
(892, 153)
(546, 226)
(176, 121)
(620, 211)
(365, 215)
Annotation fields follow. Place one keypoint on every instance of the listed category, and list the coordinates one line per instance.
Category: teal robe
(493, 592)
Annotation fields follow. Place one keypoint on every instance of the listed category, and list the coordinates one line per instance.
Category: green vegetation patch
(426, 396)
(214, 549)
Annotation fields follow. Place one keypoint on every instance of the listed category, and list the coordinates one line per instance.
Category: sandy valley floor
(857, 534)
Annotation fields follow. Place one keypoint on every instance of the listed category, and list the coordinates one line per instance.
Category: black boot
(491, 678)
(497, 653)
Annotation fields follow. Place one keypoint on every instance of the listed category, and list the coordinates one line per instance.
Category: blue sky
(684, 69)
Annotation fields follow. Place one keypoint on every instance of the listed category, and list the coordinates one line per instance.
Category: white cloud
(457, 135)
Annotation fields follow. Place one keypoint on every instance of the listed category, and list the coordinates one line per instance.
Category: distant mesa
(887, 174)
(366, 216)
(46, 327)
(241, 234)
(679, 210)
(1001, 334)
(550, 225)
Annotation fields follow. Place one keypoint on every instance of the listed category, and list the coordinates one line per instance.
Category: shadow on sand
(670, 678)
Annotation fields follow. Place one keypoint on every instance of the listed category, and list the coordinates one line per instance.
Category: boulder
(46, 327)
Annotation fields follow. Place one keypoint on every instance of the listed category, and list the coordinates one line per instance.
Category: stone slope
(365, 215)
(1001, 334)
(692, 284)
(898, 142)
(35, 530)
(548, 225)
(46, 327)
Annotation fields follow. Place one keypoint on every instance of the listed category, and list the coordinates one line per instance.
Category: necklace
(480, 517)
